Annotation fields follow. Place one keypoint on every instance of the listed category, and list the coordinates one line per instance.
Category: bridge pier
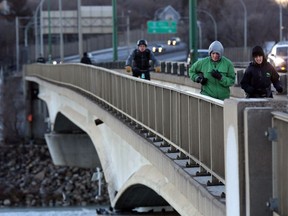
(72, 150)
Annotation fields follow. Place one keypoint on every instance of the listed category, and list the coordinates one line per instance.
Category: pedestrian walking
(259, 76)
(215, 73)
(85, 59)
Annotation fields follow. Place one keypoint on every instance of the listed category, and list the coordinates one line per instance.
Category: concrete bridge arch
(131, 165)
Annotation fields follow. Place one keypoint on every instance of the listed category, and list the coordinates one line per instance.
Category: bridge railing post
(163, 67)
(168, 67)
(239, 76)
(174, 68)
(283, 80)
(181, 67)
(248, 154)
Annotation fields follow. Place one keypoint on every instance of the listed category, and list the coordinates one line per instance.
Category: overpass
(162, 145)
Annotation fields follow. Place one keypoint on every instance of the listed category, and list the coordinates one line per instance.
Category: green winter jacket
(214, 88)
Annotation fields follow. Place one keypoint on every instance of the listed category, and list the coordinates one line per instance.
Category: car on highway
(202, 53)
(278, 56)
(158, 48)
(173, 41)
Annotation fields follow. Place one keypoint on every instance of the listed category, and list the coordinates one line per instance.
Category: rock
(6, 202)
(33, 180)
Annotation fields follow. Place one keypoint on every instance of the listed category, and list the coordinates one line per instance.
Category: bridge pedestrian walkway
(210, 153)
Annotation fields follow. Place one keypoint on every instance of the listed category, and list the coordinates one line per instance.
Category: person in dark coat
(259, 75)
(138, 61)
(41, 59)
(85, 59)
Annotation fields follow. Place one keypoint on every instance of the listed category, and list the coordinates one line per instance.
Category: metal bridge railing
(190, 123)
(199, 128)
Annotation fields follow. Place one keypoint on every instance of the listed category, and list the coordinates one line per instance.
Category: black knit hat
(257, 51)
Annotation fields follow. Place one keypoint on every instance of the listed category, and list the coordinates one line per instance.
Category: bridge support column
(72, 150)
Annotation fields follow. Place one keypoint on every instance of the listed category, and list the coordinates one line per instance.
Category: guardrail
(188, 122)
(197, 127)
(182, 68)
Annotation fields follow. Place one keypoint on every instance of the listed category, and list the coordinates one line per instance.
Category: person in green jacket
(215, 73)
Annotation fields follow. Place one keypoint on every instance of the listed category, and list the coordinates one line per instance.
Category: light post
(281, 3)
(49, 34)
(17, 43)
(200, 34)
(193, 29)
(39, 7)
(245, 25)
(17, 26)
(213, 20)
(280, 23)
(128, 30)
(80, 36)
(61, 32)
(114, 35)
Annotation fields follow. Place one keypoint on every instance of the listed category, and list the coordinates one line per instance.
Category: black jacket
(257, 80)
(86, 60)
(141, 60)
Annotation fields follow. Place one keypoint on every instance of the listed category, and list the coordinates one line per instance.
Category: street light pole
(115, 39)
(200, 34)
(49, 34)
(213, 20)
(245, 24)
(61, 32)
(17, 43)
(193, 39)
(40, 5)
(128, 30)
(80, 36)
(281, 3)
(280, 22)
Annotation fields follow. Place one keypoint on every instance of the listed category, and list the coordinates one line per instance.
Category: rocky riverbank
(28, 178)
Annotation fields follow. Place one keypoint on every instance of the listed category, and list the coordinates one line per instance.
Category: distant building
(167, 13)
(94, 20)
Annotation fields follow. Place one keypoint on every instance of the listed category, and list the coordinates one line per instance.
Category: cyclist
(138, 61)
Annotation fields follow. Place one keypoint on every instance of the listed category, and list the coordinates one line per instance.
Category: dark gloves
(201, 79)
(250, 90)
(216, 74)
(279, 89)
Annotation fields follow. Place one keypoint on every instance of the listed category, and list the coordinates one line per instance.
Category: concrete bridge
(163, 144)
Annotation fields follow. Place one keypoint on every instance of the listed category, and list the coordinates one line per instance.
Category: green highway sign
(162, 27)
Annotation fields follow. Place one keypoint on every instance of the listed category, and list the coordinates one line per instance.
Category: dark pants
(261, 93)
(143, 74)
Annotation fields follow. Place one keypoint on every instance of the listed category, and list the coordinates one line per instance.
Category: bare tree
(13, 109)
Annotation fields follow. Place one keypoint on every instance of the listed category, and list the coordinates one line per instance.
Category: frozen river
(84, 211)
(49, 212)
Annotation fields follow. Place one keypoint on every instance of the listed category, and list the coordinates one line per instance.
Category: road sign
(161, 27)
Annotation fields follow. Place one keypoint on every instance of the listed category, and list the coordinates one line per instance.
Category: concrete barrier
(175, 68)
(168, 67)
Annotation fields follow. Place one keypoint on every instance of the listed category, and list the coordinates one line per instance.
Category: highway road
(171, 53)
